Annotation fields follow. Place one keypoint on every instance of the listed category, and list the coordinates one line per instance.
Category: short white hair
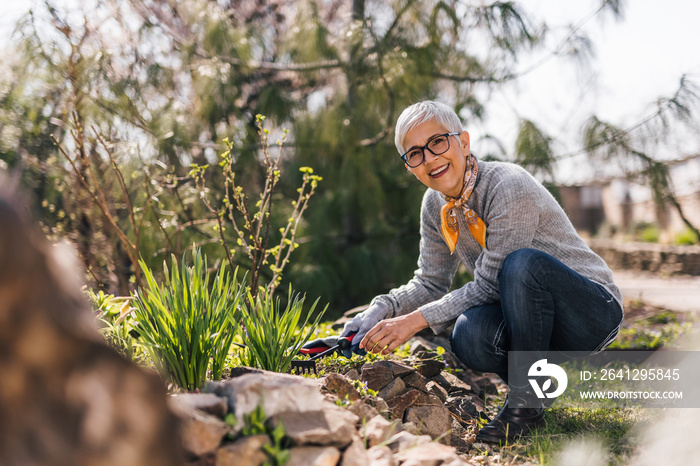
(421, 112)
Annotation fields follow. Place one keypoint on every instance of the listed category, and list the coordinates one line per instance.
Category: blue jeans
(545, 307)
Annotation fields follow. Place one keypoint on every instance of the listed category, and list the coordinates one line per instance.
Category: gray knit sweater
(519, 213)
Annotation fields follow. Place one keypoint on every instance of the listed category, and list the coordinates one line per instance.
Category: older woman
(537, 286)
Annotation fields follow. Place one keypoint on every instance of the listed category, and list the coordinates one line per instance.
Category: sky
(637, 60)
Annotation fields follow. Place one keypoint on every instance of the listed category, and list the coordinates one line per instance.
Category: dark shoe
(511, 423)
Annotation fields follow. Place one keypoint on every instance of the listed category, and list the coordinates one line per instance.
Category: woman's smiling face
(445, 172)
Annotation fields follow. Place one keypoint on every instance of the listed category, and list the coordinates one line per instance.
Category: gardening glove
(363, 323)
(318, 345)
(315, 347)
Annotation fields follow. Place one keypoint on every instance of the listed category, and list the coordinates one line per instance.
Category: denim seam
(609, 339)
(612, 335)
(497, 337)
(543, 272)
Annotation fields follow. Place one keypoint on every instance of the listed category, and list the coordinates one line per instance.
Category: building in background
(619, 204)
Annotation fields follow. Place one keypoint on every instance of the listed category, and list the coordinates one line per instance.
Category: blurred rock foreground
(65, 397)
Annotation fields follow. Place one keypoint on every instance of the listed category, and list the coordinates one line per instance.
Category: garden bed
(420, 395)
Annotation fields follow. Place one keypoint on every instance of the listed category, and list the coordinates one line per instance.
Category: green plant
(362, 389)
(253, 226)
(116, 323)
(272, 335)
(189, 321)
(256, 423)
(660, 330)
(650, 234)
(95, 169)
(686, 237)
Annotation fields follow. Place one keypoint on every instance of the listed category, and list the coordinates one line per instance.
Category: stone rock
(462, 409)
(66, 398)
(206, 402)
(411, 428)
(398, 405)
(242, 370)
(363, 411)
(398, 369)
(426, 348)
(419, 345)
(352, 375)
(425, 345)
(461, 461)
(479, 404)
(481, 385)
(246, 450)
(436, 390)
(380, 405)
(442, 381)
(431, 420)
(416, 380)
(206, 460)
(313, 456)
(202, 433)
(277, 392)
(485, 448)
(377, 430)
(428, 400)
(452, 361)
(457, 437)
(392, 389)
(427, 355)
(330, 426)
(355, 454)
(397, 426)
(341, 387)
(427, 454)
(381, 456)
(405, 440)
(429, 367)
(377, 377)
(454, 385)
(460, 444)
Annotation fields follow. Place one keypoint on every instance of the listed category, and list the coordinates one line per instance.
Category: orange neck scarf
(448, 214)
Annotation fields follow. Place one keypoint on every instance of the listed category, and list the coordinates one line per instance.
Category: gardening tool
(318, 351)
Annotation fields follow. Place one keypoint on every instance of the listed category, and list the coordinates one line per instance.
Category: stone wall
(649, 257)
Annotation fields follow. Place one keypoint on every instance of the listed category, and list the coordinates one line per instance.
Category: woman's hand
(388, 334)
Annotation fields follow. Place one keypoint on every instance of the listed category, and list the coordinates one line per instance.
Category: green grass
(272, 334)
(662, 329)
(611, 428)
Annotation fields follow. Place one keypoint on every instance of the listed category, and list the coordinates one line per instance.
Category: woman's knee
(519, 263)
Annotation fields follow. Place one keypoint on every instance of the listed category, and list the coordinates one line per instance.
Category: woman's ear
(464, 138)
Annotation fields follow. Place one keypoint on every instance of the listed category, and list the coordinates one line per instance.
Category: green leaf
(188, 324)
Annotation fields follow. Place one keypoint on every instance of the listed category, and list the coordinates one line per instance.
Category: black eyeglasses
(438, 145)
